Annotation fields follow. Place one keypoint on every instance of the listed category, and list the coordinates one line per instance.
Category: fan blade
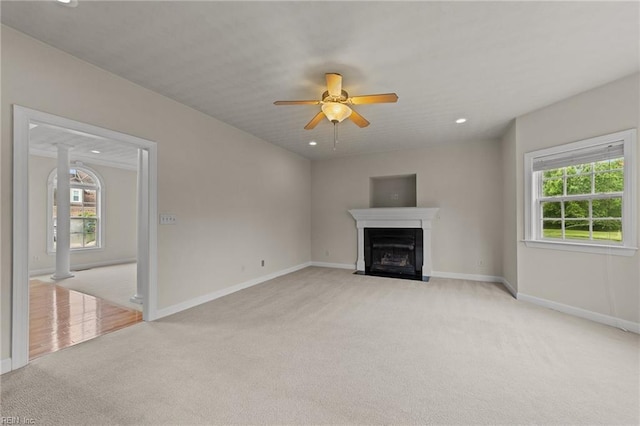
(334, 84)
(373, 99)
(358, 119)
(314, 121)
(296, 103)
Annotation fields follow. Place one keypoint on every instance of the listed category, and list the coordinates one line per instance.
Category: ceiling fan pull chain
(335, 135)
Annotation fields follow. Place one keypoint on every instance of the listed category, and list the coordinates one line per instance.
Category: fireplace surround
(406, 218)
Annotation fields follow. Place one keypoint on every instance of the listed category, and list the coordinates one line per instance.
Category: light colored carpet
(115, 284)
(323, 346)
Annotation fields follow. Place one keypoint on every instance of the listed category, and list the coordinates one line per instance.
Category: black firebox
(393, 252)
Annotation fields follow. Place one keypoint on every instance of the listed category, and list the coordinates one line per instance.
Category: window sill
(77, 250)
(583, 248)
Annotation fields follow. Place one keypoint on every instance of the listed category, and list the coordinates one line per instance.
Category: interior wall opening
(84, 238)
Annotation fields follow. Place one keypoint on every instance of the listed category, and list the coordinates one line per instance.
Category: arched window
(85, 200)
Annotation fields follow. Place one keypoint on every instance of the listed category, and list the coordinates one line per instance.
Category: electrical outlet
(168, 219)
(326, 253)
(481, 265)
(263, 263)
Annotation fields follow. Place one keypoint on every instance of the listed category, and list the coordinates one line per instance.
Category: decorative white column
(63, 216)
(143, 206)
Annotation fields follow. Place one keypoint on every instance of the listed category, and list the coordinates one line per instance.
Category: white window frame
(51, 184)
(532, 211)
(75, 191)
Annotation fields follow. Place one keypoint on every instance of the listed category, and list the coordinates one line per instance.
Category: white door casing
(147, 252)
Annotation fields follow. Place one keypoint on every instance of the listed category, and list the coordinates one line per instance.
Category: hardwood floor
(59, 318)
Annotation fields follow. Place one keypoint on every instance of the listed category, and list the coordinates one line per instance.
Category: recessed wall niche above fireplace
(395, 242)
(392, 191)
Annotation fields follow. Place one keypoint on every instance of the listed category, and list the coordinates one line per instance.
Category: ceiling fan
(336, 103)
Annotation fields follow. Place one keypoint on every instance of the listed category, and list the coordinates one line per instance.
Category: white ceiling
(487, 61)
(43, 141)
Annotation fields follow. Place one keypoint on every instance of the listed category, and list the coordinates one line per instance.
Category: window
(85, 206)
(580, 196)
(76, 195)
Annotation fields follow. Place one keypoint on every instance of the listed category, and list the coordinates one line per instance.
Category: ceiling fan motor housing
(326, 97)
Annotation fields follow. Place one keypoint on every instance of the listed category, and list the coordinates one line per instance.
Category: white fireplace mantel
(396, 217)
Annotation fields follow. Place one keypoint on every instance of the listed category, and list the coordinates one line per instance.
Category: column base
(58, 277)
(136, 299)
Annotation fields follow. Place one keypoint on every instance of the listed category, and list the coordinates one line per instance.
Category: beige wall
(464, 180)
(604, 284)
(119, 219)
(238, 199)
(509, 208)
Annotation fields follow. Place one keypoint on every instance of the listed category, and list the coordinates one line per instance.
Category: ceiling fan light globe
(335, 111)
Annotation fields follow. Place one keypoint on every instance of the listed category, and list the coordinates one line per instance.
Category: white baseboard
(509, 287)
(470, 277)
(454, 275)
(5, 365)
(82, 266)
(582, 313)
(334, 265)
(174, 309)
(475, 277)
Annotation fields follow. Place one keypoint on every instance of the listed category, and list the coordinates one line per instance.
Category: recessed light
(95, 151)
(461, 120)
(68, 3)
(313, 143)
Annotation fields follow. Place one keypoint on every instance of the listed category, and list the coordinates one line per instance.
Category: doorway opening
(79, 254)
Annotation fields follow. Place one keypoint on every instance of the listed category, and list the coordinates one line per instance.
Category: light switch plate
(168, 219)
